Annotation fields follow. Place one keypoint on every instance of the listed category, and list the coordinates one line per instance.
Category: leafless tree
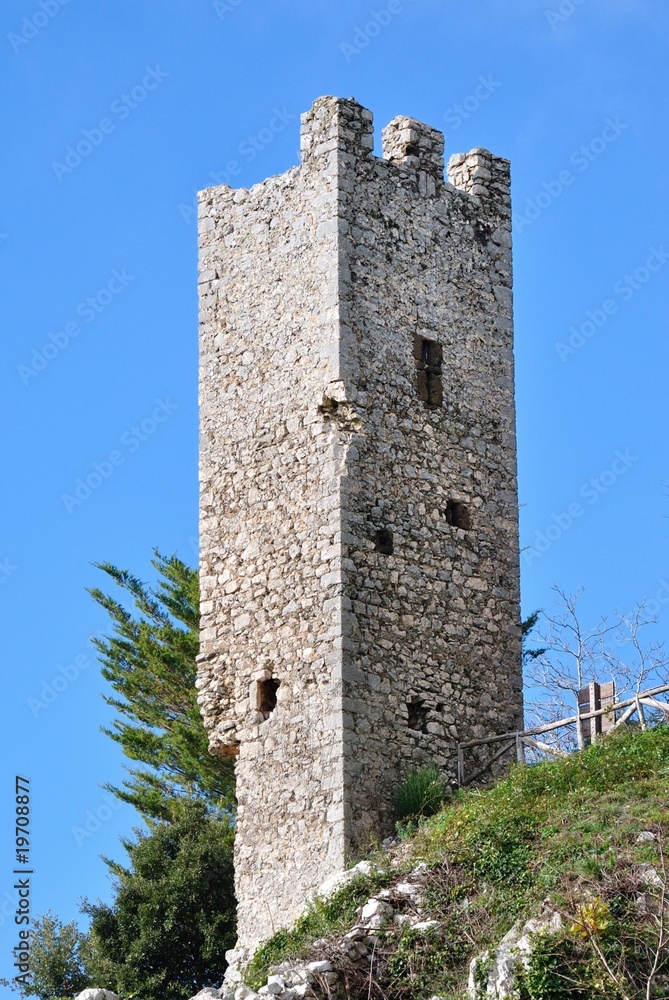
(574, 655)
(636, 666)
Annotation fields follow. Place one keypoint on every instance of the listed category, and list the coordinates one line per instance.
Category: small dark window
(457, 515)
(417, 715)
(383, 542)
(267, 695)
(428, 356)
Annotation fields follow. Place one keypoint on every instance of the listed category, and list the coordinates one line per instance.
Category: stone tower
(359, 512)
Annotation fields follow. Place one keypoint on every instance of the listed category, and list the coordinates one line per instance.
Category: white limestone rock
(651, 877)
(244, 993)
(340, 879)
(236, 958)
(409, 889)
(375, 914)
(271, 990)
(96, 994)
(515, 947)
(426, 926)
(319, 968)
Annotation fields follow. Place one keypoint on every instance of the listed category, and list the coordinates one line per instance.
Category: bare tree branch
(574, 655)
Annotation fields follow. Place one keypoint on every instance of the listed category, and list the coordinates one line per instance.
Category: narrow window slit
(458, 515)
(267, 696)
(383, 542)
(417, 715)
(428, 355)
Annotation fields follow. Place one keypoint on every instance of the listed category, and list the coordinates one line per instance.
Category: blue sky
(98, 248)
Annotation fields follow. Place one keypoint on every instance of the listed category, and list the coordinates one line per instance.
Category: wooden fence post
(607, 699)
(594, 698)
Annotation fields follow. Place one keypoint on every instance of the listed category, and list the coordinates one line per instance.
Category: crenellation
(481, 174)
(359, 512)
(412, 144)
(335, 125)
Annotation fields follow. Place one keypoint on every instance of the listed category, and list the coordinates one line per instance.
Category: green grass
(562, 829)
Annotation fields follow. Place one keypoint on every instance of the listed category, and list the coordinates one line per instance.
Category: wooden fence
(592, 722)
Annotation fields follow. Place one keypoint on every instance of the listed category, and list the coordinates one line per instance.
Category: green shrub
(172, 919)
(549, 975)
(59, 960)
(422, 793)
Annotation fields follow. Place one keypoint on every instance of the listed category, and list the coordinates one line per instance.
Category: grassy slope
(566, 830)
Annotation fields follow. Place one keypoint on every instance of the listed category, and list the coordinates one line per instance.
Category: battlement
(410, 143)
(482, 174)
(333, 123)
(345, 128)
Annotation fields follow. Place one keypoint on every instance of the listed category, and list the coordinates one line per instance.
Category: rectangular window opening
(428, 355)
(383, 542)
(417, 715)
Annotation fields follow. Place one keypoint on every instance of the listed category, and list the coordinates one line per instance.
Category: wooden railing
(518, 741)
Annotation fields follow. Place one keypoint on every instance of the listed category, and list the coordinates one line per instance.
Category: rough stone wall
(328, 663)
(269, 533)
(432, 652)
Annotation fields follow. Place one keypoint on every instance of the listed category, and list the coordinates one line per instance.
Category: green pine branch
(149, 660)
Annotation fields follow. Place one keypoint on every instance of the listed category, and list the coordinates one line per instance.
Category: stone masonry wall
(432, 630)
(349, 627)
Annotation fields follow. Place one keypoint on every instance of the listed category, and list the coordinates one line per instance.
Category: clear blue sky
(98, 253)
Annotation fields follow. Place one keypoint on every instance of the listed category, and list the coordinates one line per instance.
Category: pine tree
(526, 627)
(149, 660)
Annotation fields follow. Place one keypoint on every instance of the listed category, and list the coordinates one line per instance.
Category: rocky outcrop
(493, 974)
(388, 913)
